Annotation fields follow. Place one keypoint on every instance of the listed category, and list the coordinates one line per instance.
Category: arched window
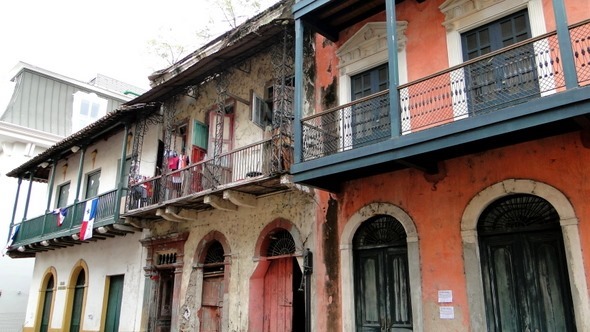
(382, 287)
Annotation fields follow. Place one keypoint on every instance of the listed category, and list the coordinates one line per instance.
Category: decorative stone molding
(369, 40)
(455, 10)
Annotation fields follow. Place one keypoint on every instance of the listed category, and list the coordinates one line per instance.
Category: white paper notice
(445, 296)
(447, 312)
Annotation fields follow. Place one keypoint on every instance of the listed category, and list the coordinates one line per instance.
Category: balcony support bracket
(171, 214)
(219, 203)
(240, 199)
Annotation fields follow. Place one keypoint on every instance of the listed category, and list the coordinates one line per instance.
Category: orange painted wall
(437, 208)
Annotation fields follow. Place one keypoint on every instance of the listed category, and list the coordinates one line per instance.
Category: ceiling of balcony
(333, 16)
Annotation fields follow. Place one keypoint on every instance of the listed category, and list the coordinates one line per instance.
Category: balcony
(512, 95)
(44, 233)
(240, 174)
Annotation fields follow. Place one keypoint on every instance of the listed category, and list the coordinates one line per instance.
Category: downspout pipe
(394, 106)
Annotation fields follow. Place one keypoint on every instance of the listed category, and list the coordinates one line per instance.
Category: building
(452, 137)
(45, 108)
(228, 230)
(196, 213)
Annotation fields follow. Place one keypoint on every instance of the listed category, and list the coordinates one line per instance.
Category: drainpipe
(121, 185)
(394, 107)
(28, 197)
(307, 271)
(78, 185)
(565, 45)
(20, 180)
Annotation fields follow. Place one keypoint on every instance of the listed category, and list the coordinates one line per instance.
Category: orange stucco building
(460, 207)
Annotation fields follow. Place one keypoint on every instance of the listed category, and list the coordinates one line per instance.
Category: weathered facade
(454, 145)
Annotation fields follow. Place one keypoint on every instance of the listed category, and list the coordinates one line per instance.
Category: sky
(79, 38)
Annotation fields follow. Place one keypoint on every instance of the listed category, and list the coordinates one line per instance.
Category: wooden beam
(240, 199)
(219, 203)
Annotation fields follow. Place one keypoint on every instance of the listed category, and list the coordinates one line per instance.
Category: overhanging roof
(229, 49)
(104, 127)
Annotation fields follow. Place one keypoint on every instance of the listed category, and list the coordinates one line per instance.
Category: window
(507, 78)
(92, 183)
(261, 112)
(200, 134)
(370, 119)
(88, 107)
(63, 192)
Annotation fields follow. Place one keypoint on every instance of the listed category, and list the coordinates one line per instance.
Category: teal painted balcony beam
(565, 44)
(20, 180)
(28, 196)
(50, 186)
(122, 174)
(396, 127)
(297, 100)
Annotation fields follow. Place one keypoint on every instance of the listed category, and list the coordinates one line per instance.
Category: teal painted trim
(565, 45)
(121, 185)
(20, 180)
(393, 68)
(304, 7)
(541, 111)
(50, 186)
(28, 196)
(298, 97)
(79, 180)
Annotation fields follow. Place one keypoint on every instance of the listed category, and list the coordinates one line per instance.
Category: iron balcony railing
(512, 75)
(47, 227)
(249, 163)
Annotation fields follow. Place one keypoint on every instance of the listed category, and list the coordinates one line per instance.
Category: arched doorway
(382, 285)
(524, 268)
(284, 306)
(213, 288)
(47, 302)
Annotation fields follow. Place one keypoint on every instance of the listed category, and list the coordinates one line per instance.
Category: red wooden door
(212, 304)
(278, 296)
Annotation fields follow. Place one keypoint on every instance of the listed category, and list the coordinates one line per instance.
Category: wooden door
(212, 304)
(278, 296)
(383, 290)
(115, 298)
(526, 284)
(78, 302)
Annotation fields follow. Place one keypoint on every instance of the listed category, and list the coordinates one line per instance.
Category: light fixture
(75, 148)
(44, 164)
(75, 237)
(21, 249)
(45, 243)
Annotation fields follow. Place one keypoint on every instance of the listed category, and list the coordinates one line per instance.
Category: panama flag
(88, 221)
(60, 215)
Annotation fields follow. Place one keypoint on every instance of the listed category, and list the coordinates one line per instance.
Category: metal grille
(167, 258)
(580, 36)
(215, 253)
(281, 243)
(517, 213)
(380, 231)
(507, 77)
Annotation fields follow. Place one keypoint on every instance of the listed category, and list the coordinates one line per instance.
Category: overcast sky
(79, 39)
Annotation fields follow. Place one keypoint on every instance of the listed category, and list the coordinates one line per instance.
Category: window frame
(80, 120)
(88, 178)
(58, 194)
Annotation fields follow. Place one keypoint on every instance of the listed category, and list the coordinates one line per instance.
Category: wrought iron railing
(247, 163)
(495, 81)
(47, 227)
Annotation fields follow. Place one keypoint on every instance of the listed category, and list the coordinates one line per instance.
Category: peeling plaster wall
(242, 229)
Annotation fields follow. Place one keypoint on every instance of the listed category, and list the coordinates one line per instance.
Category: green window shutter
(200, 132)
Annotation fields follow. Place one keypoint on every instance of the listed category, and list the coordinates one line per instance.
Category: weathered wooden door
(524, 268)
(278, 296)
(526, 283)
(114, 303)
(212, 304)
(382, 288)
